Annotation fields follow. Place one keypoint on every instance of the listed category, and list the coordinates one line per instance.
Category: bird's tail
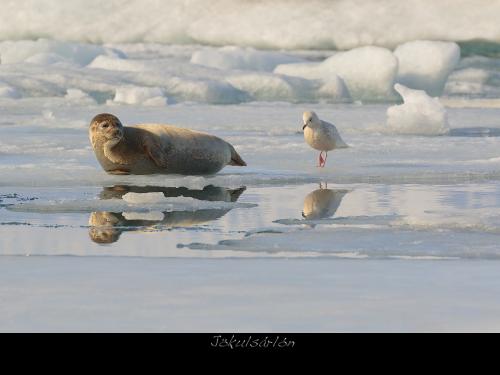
(236, 158)
(341, 144)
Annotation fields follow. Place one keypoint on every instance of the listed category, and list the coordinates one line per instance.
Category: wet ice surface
(250, 295)
(423, 221)
(399, 207)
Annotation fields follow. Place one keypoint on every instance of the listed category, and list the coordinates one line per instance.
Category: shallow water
(306, 220)
(51, 178)
(399, 207)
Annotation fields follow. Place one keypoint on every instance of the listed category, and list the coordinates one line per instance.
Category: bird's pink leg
(326, 157)
(321, 160)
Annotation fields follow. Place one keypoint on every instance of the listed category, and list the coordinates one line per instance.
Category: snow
(368, 72)
(232, 57)
(148, 96)
(317, 24)
(116, 63)
(399, 214)
(419, 114)
(156, 75)
(270, 87)
(7, 91)
(414, 198)
(474, 82)
(118, 294)
(137, 198)
(426, 65)
(45, 52)
(77, 95)
(147, 216)
(335, 89)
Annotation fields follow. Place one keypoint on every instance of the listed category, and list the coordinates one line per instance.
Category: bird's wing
(334, 133)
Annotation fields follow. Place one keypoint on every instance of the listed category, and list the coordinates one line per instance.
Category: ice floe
(419, 114)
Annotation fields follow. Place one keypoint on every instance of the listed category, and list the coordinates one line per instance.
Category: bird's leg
(321, 160)
(326, 157)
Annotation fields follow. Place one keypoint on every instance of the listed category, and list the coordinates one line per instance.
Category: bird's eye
(105, 126)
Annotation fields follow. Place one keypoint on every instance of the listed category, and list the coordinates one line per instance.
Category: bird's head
(310, 119)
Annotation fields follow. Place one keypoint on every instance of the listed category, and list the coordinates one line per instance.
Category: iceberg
(426, 65)
(418, 115)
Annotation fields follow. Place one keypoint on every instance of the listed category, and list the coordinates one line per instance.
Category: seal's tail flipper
(236, 159)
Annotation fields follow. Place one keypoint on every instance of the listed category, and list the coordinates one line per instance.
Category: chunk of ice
(231, 57)
(419, 114)
(426, 65)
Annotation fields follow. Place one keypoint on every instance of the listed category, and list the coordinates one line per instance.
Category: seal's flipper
(236, 158)
(155, 152)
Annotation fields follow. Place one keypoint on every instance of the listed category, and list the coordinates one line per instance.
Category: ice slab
(147, 96)
(368, 72)
(46, 52)
(419, 114)
(233, 57)
(426, 65)
(131, 202)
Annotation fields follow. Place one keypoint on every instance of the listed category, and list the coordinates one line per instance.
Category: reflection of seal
(154, 148)
(208, 193)
(107, 227)
(322, 203)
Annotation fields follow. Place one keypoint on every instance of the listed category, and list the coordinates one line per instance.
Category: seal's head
(102, 227)
(106, 128)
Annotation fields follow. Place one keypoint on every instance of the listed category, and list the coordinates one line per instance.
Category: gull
(321, 135)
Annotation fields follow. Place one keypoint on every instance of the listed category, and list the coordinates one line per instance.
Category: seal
(157, 148)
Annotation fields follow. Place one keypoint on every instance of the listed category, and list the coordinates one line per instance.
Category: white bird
(321, 135)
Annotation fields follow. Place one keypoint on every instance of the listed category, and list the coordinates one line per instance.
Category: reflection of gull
(106, 227)
(322, 203)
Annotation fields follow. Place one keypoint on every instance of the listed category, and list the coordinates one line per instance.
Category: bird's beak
(304, 126)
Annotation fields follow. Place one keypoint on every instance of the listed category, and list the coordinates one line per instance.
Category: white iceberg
(44, 51)
(418, 115)
(368, 72)
(147, 96)
(7, 91)
(232, 57)
(426, 65)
